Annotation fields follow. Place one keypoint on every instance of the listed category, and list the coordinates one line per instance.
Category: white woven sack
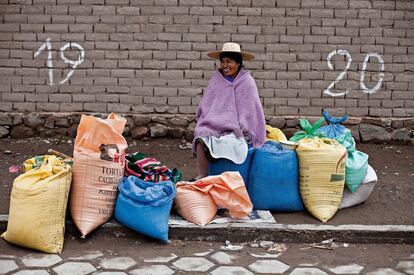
(362, 193)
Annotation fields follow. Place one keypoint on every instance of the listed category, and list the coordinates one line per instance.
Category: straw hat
(231, 47)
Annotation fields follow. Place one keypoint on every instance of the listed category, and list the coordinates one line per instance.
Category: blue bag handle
(334, 120)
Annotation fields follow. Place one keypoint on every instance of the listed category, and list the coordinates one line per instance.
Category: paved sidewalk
(102, 254)
(256, 231)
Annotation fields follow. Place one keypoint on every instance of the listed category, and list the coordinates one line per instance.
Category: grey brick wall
(149, 56)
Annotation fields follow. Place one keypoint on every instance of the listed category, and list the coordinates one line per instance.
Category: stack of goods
(356, 166)
(308, 171)
(39, 196)
(356, 162)
(98, 167)
(38, 204)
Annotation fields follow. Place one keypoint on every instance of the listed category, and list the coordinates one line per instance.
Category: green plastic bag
(356, 166)
(347, 140)
(308, 130)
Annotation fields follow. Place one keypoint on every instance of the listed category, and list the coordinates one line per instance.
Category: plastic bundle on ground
(145, 206)
(334, 127)
(321, 175)
(362, 192)
(274, 134)
(197, 202)
(308, 130)
(98, 166)
(356, 164)
(273, 182)
(222, 165)
(38, 204)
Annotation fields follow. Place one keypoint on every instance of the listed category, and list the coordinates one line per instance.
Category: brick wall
(149, 56)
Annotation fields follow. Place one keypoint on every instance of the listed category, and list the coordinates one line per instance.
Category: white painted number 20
(73, 63)
(364, 88)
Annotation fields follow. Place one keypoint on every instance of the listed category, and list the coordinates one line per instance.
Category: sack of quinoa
(198, 201)
(98, 167)
(38, 204)
(145, 206)
(321, 175)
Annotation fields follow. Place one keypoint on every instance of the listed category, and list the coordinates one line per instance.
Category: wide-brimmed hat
(231, 47)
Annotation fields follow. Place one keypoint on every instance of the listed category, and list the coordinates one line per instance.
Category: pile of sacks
(322, 172)
(101, 182)
(89, 183)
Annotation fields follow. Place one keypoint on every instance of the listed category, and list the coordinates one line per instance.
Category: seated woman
(230, 116)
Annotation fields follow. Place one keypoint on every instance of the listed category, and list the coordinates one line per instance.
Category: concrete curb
(308, 233)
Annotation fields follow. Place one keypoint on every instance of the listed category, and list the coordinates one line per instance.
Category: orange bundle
(98, 166)
(198, 201)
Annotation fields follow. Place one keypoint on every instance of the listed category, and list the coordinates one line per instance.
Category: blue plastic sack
(334, 128)
(224, 165)
(145, 206)
(274, 179)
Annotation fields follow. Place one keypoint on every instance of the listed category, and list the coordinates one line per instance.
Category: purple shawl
(231, 108)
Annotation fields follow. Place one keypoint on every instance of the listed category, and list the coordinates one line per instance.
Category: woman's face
(229, 66)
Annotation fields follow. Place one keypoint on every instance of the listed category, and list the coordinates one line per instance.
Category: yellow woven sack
(321, 175)
(274, 134)
(38, 205)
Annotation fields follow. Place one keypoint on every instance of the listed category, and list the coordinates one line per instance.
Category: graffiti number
(49, 63)
(73, 63)
(364, 88)
(341, 75)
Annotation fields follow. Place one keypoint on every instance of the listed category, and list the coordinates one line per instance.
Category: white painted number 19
(49, 63)
(364, 88)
